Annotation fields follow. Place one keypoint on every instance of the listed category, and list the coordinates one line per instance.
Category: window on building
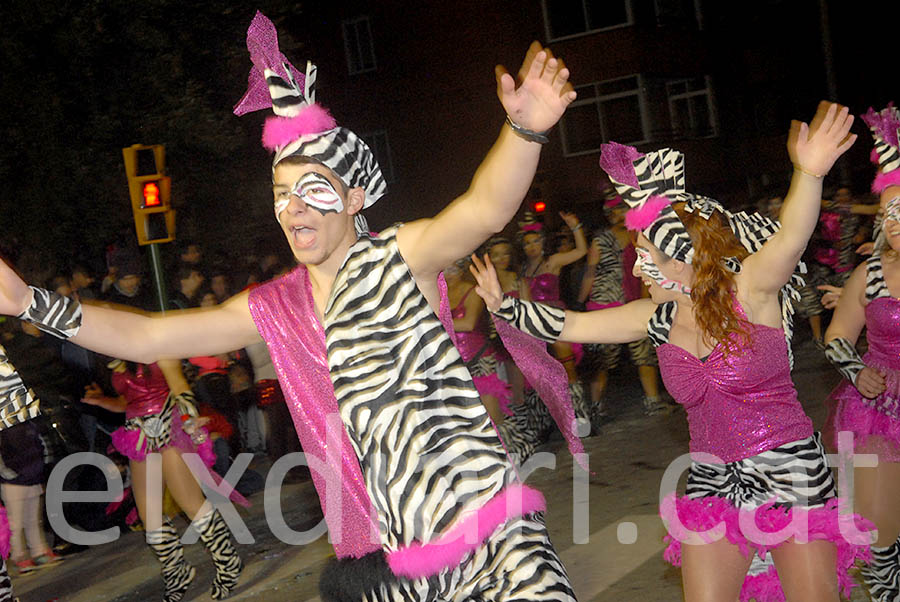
(566, 18)
(691, 108)
(359, 46)
(678, 12)
(608, 110)
(378, 142)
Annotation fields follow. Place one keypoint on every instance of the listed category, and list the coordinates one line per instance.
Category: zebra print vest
(18, 403)
(427, 448)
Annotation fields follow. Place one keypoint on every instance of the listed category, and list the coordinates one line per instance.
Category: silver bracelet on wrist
(530, 135)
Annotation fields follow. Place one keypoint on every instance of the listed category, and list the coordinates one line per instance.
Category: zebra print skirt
(144, 435)
(758, 503)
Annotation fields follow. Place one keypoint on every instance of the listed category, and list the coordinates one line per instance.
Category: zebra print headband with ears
(649, 184)
(300, 127)
(885, 128)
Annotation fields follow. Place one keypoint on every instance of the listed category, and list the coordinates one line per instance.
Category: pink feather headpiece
(640, 218)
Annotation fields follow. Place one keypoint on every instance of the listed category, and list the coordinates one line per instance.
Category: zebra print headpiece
(885, 127)
(300, 127)
(651, 183)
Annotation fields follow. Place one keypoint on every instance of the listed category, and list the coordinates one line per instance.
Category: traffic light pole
(159, 282)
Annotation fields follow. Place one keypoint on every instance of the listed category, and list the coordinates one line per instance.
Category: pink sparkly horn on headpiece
(300, 127)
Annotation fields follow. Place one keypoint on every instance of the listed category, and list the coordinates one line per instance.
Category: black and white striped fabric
(6, 591)
(531, 423)
(882, 574)
(606, 287)
(156, 429)
(540, 320)
(216, 537)
(794, 474)
(412, 413)
(176, 572)
(843, 355)
(517, 562)
(53, 313)
(885, 128)
(875, 285)
(18, 403)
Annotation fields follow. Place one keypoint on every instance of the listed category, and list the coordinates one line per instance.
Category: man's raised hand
(540, 96)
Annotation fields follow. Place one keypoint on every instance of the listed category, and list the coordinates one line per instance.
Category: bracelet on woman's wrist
(809, 173)
(530, 135)
(578, 227)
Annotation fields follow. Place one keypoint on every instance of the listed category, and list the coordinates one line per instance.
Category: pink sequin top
(883, 332)
(545, 288)
(469, 343)
(740, 405)
(145, 391)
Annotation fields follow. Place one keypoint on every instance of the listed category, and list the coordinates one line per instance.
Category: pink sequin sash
(284, 313)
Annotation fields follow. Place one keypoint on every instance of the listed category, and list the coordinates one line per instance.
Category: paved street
(628, 457)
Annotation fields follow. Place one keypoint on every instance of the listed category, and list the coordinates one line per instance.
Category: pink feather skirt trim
(708, 519)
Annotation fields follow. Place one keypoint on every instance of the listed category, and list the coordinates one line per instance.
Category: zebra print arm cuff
(842, 353)
(543, 322)
(53, 313)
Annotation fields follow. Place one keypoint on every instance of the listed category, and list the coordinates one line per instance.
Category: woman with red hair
(721, 287)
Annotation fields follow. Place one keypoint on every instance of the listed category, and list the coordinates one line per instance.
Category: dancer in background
(867, 403)
(609, 282)
(721, 287)
(470, 322)
(156, 400)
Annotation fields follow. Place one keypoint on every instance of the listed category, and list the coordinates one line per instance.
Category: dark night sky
(82, 80)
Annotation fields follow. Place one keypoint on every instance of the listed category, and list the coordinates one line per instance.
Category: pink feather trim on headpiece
(884, 124)
(641, 217)
(280, 131)
(884, 180)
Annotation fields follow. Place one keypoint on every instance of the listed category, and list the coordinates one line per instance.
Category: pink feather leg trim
(886, 180)
(688, 519)
(280, 131)
(421, 560)
(641, 217)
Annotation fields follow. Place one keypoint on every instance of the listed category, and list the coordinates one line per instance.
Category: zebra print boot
(177, 574)
(882, 575)
(216, 537)
(582, 406)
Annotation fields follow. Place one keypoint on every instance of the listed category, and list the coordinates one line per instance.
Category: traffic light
(149, 188)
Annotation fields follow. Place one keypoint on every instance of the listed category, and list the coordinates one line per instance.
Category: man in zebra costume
(417, 490)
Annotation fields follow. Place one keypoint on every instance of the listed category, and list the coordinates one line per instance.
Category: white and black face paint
(892, 210)
(316, 191)
(652, 271)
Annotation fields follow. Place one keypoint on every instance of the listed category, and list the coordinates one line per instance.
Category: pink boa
(764, 587)
(689, 519)
(491, 384)
(641, 217)
(280, 131)
(5, 533)
(422, 560)
(886, 180)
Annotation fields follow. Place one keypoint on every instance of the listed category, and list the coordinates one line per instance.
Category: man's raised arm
(504, 177)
